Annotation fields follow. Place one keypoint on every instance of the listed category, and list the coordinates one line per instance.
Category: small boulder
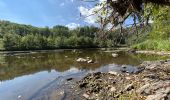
(112, 89)
(88, 57)
(129, 87)
(81, 60)
(114, 55)
(86, 95)
(69, 79)
(90, 61)
(113, 73)
(159, 96)
(142, 89)
(128, 78)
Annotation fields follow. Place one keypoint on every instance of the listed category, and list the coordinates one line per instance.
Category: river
(24, 76)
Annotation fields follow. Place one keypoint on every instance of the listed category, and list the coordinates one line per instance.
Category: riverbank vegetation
(158, 37)
(25, 37)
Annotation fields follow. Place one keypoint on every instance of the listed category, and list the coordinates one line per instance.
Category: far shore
(114, 50)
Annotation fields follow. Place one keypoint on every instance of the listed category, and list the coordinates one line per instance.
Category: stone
(88, 57)
(128, 78)
(86, 95)
(113, 73)
(81, 60)
(159, 96)
(124, 66)
(83, 85)
(152, 66)
(74, 50)
(69, 79)
(114, 55)
(143, 88)
(129, 87)
(90, 61)
(61, 93)
(112, 89)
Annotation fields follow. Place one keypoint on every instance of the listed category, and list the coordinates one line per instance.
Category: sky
(43, 13)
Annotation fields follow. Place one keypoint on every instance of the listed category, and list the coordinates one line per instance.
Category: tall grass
(161, 45)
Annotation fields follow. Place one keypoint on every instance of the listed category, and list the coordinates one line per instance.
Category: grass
(160, 45)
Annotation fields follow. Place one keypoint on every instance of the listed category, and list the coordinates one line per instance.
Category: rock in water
(113, 73)
(90, 61)
(81, 60)
(114, 55)
(69, 79)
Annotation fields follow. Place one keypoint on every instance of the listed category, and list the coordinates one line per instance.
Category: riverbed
(36, 75)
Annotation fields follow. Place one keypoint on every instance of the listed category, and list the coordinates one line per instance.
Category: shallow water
(23, 76)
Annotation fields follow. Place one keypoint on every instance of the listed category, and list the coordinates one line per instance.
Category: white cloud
(62, 4)
(93, 15)
(72, 0)
(72, 25)
(88, 14)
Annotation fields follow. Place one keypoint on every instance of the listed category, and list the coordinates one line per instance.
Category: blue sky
(42, 12)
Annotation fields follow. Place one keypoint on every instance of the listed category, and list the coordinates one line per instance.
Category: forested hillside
(26, 37)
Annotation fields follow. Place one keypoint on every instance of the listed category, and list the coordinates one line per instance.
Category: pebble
(86, 95)
(112, 89)
(128, 78)
(62, 92)
(113, 73)
(129, 87)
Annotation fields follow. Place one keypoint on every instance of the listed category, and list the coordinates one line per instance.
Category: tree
(11, 41)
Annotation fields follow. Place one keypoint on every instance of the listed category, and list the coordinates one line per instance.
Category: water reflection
(12, 66)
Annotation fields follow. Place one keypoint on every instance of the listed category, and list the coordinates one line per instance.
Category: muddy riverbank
(167, 53)
(150, 82)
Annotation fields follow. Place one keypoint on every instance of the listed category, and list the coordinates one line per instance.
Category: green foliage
(159, 36)
(25, 37)
(162, 45)
(11, 41)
